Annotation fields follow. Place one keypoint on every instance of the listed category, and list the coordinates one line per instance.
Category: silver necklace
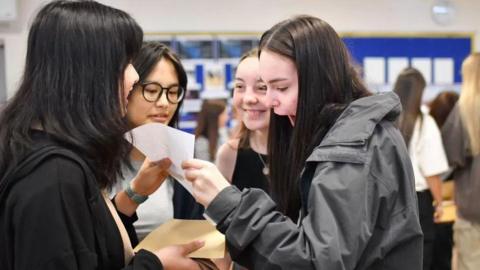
(265, 169)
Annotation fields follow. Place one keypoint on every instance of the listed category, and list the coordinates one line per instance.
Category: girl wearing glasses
(156, 98)
(61, 145)
(340, 173)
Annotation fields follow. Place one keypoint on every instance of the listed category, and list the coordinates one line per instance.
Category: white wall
(391, 16)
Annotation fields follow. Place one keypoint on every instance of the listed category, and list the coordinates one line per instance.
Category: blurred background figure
(211, 131)
(427, 154)
(442, 105)
(461, 136)
(440, 108)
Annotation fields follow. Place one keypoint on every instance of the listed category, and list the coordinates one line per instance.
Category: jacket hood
(357, 123)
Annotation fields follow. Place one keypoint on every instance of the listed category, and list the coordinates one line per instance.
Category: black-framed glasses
(153, 91)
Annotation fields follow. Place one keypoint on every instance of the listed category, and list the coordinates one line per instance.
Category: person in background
(342, 181)
(461, 137)
(211, 130)
(424, 142)
(62, 145)
(440, 108)
(243, 159)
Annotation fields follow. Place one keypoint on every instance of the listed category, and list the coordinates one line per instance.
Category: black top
(248, 171)
(53, 216)
(184, 205)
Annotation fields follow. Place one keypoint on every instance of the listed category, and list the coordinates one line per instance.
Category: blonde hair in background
(469, 102)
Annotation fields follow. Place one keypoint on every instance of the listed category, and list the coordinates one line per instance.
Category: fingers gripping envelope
(176, 232)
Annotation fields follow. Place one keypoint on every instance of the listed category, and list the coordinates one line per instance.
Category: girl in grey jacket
(341, 178)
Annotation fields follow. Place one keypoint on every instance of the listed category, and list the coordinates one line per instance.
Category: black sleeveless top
(248, 171)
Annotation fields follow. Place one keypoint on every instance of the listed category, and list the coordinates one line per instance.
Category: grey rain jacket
(358, 199)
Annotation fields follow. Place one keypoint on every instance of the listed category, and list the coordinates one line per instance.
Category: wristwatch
(135, 197)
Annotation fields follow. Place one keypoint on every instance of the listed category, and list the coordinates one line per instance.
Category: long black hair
(409, 87)
(327, 83)
(76, 56)
(148, 57)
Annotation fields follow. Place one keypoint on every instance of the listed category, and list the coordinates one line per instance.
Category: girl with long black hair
(61, 146)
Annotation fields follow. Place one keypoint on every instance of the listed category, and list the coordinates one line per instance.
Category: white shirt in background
(426, 151)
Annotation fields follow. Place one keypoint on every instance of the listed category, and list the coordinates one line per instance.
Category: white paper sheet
(157, 141)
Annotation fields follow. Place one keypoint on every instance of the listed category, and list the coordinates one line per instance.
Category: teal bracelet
(137, 198)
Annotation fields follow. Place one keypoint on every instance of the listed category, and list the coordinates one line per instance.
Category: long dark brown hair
(207, 123)
(76, 56)
(327, 83)
(442, 105)
(409, 87)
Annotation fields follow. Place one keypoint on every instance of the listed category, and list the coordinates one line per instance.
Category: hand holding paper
(208, 179)
(151, 176)
(157, 141)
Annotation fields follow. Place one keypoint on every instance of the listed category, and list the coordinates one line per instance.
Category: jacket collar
(358, 121)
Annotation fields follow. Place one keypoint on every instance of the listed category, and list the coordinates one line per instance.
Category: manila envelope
(180, 231)
(449, 212)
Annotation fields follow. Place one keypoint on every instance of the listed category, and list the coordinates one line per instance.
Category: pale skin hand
(206, 179)
(149, 178)
(435, 185)
(175, 257)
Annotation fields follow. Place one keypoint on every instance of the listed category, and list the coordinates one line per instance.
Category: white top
(426, 151)
(156, 210)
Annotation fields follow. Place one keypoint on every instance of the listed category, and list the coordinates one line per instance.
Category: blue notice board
(456, 48)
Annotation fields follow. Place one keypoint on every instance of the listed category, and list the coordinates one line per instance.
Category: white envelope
(157, 141)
